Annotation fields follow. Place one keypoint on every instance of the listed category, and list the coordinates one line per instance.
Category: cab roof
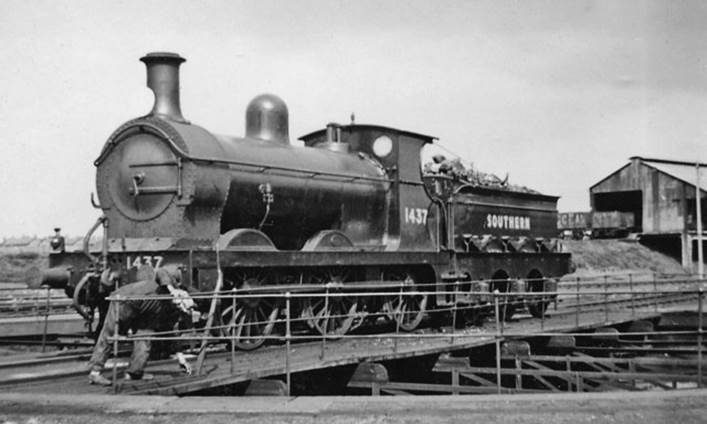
(363, 127)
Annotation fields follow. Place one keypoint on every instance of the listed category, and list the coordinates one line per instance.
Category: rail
(23, 301)
(40, 303)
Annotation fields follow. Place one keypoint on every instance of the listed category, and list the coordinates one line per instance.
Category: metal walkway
(272, 361)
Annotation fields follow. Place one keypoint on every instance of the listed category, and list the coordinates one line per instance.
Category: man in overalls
(144, 317)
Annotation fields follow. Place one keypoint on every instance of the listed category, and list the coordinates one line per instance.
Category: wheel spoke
(403, 313)
(327, 319)
(321, 314)
(248, 326)
(239, 326)
(329, 315)
(271, 322)
(406, 310)
(254, 317)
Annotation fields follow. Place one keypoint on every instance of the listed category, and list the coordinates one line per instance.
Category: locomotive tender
(352, 205)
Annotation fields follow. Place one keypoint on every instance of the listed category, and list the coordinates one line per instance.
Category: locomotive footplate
(252, 273)
(470, 266)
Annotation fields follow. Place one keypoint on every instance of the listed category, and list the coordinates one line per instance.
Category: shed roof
(680, 170)
(685, 173)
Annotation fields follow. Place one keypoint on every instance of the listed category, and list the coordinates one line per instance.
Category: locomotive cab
(398, 152)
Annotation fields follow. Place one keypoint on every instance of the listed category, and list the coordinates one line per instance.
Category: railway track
(16, 301)
(52, 358)
(28, 314)
(23, 369)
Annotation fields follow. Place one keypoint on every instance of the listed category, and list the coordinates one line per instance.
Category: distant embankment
(23, 258)
(592, 257)
(21, 267)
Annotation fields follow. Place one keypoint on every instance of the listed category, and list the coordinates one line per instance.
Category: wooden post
(699, 338)
(519, 376)
(569, 371)
(686, 239)
(455, 381)
(375, 389)
(698, 203)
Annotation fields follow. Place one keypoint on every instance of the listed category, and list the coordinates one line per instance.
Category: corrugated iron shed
(661, 194)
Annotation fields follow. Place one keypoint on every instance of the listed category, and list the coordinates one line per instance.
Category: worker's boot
(135, 377)
(95, 377)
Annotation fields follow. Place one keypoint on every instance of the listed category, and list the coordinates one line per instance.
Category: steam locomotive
(350, 207)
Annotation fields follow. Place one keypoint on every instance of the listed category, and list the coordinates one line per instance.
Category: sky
(558, 94)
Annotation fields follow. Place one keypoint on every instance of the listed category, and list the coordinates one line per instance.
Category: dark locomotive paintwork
(353, 198)
(213, 184)
(500, 213)
(402, 166)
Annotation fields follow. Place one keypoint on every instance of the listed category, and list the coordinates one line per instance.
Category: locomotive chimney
(163, 80)
(266, 118)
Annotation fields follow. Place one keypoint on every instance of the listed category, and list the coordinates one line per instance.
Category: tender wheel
(538, 309)
(331, 315)
(254, 317)
(407, 310)
(537, 305)
(501, 281)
